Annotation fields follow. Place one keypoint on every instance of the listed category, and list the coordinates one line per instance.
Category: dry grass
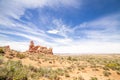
(53, 67)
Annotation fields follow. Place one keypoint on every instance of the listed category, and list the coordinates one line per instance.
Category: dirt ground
(82, 67)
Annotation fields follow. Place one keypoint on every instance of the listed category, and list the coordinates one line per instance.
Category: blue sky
(68, 26)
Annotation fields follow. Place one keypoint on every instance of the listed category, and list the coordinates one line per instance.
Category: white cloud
(16, 8)
(19, 46)
(102, 29)
(88, 47)
(102, 34)
(64, 41)
(101, 40)
(61, 28)
(53, 31)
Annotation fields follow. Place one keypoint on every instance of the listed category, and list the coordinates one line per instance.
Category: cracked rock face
(39, 49)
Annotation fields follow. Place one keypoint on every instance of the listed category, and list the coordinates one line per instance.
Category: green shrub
(1, 51)
(60, 71)
(106, 68)
(13, 70)
(33, 75)
(113, 66)
(67, 75)
(21, 56)
(1, 59)
(33, 69)
(118, 72)
(93, 78)
(51, 74)
(54, 77)
(106, 73)
(69, 58)
(44, 72)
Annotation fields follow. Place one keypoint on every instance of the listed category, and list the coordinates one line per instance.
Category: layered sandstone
(39, 49)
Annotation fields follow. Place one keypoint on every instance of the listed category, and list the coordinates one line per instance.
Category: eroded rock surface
(39, 49)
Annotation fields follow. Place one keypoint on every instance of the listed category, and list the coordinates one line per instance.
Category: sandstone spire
(31, 46)
(39, 49)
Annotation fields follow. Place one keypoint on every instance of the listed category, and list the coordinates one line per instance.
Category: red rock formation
(7, 48)
(39, 49)
(31, 46)
(50, 51)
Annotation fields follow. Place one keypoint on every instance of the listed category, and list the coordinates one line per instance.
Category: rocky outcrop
(39, 49)
(5, 48)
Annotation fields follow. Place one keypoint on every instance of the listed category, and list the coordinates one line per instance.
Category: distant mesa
(39, 49)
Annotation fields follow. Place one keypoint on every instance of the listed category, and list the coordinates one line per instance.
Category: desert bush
(33, 75)
(60, 71)
(113, 65)
(74, 78)
(12, 54)
(44, 72)
(106, 73)
(93, 78)
(69, 58)
(33, 69)
(13, 70)
(50, 62)
(54, 77)
(67, 75)
(93, 65)
(1, 51)
(81, 67)
(95, 69)
(72, 58)
(106, 68)
(1, 59)
(80, 78)
(118, 72)
(21, 56)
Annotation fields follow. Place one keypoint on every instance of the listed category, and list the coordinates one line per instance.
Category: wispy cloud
(15, 8)
(100, 36)
(105, 28)
(53, 31)
(70, 45)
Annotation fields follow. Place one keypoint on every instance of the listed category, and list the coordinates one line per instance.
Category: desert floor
(58, 67)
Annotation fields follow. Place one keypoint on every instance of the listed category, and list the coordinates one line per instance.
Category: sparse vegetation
(118, 72)
(113, 65)
(1, 59)
(45, 67)
(13, 70)
(93, 78)
(1, 51)
(80, 78)
(106, 73)
(69, 58)
(21, 56)
(67, 75)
